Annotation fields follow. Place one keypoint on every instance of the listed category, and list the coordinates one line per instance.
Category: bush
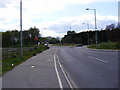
(108, 45)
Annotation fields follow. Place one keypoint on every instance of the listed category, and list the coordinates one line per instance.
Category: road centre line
(64, 73)
(98, 59)
(58, 76)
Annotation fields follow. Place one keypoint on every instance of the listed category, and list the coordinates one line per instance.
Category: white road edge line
(58, 76)
(98, 59)
(65, 74)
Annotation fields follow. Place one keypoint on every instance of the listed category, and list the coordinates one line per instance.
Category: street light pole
(96, 29)
(21, 44)
(96, 36)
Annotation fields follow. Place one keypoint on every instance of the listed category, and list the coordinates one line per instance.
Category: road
(66, 67)
(91, 68)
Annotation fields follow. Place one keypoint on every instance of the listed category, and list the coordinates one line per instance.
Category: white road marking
(65, 74)
(98, 59)
(58, 76)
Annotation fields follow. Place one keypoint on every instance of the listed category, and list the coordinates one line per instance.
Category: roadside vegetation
(14, 59)
(33, 43)
(110, 34)
(108, 45)
(109, 38)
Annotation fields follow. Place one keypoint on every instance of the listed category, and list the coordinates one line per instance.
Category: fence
(13, 52)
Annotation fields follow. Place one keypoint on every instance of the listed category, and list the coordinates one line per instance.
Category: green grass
(16, 59)
(0, 69)
(108, 45)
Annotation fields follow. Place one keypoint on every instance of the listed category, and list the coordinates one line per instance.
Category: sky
(55, 17)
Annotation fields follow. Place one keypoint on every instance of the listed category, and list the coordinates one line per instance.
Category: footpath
(37, 72)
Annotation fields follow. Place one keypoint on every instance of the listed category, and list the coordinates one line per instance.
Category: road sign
(36, 38)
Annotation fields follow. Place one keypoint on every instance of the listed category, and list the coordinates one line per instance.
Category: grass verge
(108, 45)
(11, 62)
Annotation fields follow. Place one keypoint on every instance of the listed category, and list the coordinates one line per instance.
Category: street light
(95, 25)
(88, 31)
(21, 44)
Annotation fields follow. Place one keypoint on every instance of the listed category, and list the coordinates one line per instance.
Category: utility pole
(21, 44)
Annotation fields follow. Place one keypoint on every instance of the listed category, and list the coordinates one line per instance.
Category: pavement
(0, 83)
(37, 72)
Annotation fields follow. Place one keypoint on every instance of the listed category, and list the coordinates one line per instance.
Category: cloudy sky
(55, 17)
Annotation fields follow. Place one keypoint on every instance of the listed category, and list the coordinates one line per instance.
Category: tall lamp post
(21, 44)
(95, 25)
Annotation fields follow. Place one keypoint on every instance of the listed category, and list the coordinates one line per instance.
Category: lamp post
(95, 26)
(21, 44)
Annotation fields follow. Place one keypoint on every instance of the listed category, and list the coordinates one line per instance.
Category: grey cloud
(2, 19)
(102, 24)
(59, 28)
(64, 27)
(3, 3)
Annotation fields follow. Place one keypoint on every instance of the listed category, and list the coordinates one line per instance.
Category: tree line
(110, 33)
(30, 37)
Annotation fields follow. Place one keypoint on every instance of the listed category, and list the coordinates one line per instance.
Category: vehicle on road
(79, 45)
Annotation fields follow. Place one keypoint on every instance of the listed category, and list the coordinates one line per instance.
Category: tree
(32, 33)
(110, 27)
(54, 41)
(6, 39)
(71, 32)
(12, 38)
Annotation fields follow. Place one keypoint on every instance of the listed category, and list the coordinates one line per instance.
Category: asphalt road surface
(66, 67)
(91, 68)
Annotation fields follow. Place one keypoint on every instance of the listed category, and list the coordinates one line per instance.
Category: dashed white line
(98, 59)
(58, 76)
